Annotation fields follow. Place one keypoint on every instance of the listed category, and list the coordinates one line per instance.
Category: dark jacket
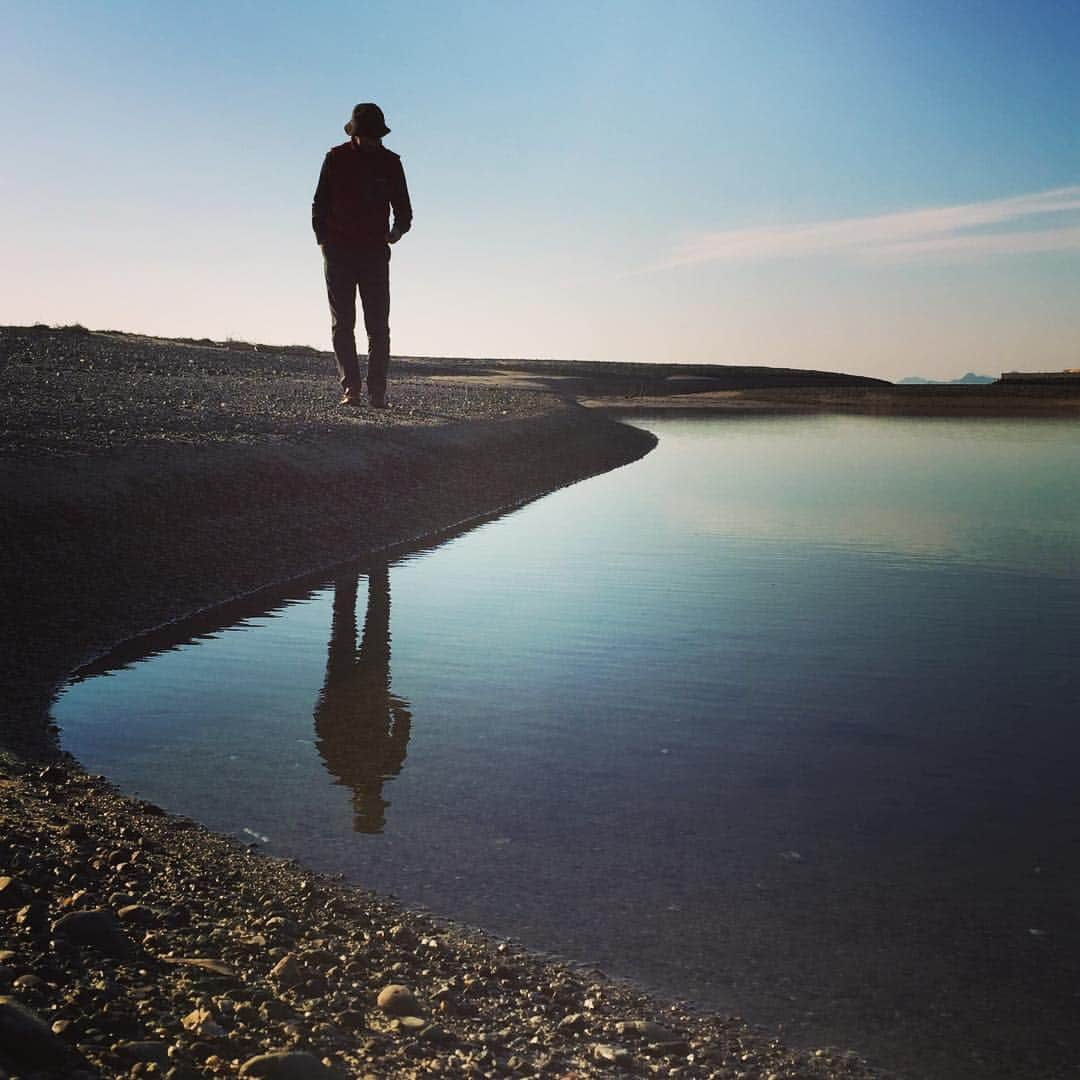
(357, 187)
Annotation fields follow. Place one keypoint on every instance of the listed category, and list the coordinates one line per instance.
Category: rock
(350, 1019)
(204, 963)
(97, 928)
(13, 893)
(612, 1055)
(32, 915)
(119, 857)
(397, 1000)
(274, 1009)
(573, 1023)
(319, 958)
(201, 1022)
(178, 915)
(286, 1065)
(676, 1048)
(138, 914)
(144, 1050)
(27, 1039)
(282, 926)
(439, 1036)
(287, 972)
(403, 937)
(647, 1030)
(74, 830)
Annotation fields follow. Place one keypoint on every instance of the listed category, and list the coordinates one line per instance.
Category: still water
(781, 718)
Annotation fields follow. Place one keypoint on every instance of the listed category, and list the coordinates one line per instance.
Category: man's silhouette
(361, 729)
(359, 183)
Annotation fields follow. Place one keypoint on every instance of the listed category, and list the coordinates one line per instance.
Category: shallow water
(781, 718)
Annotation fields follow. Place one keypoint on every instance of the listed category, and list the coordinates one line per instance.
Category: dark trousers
(367, 271)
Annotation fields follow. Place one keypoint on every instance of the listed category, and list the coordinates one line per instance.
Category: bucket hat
(367, 119)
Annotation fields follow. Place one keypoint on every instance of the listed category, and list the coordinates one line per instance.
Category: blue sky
(887, 188)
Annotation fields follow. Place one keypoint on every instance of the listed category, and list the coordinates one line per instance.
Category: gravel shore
(145, 480)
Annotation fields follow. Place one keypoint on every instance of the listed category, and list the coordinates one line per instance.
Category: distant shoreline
(995, 400)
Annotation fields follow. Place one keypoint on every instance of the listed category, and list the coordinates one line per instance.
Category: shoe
(352, 400)
(378, 401)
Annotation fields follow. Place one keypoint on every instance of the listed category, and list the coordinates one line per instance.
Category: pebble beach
(145, 480)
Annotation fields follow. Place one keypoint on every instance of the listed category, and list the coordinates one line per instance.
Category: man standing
(359, 183)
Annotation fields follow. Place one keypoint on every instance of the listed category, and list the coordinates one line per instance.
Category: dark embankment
(144, 480)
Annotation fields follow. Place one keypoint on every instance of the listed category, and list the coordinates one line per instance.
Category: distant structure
(1068, 377)
(970, 379)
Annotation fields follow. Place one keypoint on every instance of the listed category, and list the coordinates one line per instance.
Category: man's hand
(393, 236)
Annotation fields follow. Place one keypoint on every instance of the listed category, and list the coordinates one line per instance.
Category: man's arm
(320, 204)
(399, 200)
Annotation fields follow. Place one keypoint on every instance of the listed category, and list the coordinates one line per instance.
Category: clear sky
(890, 188)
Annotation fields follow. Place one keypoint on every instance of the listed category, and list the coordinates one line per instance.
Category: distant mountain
(970, 379)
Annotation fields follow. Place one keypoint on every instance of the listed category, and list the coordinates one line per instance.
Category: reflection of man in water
(361, 729)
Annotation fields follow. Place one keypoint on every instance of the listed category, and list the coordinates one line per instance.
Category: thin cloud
(969, 230)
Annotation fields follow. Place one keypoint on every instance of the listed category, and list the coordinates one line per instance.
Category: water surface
(781, 718)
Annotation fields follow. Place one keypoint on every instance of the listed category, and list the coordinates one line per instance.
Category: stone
(612, 1055)
(647, 1030)
(201, 1022)
(283, 927)
(439, 1036)
(97, 928)
(351, 1019)
(119, 857)
(13, 893)
(144, 1050)
(573, 1023)
(28, 1040)
(74, 830)
(32, 915)
(675, 1048)
(178, 915)
(274, 1009)
(403, 937)
(286, 1065)
(203, 963)
(397, 1000)
(287, 972)
(138, 914)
